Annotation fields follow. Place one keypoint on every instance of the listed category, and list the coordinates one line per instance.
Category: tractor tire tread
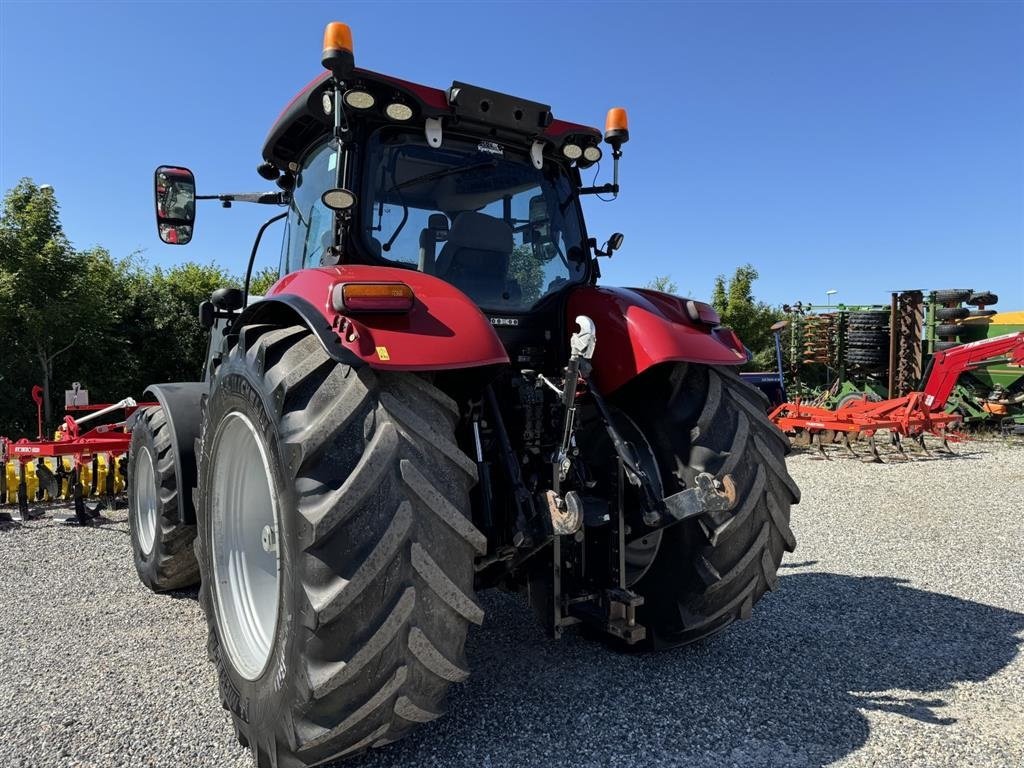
(706, 576)
(171, 565)
(384, 556)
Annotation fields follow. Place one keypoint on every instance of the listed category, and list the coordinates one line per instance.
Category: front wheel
(336, 553)
(161, 546)
(697, 419)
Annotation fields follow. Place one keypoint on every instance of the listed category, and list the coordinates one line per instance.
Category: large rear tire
(703, 419)
(367, 545)
(161, 546)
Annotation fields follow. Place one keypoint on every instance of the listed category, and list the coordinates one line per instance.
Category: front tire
(161, 546)
(374, 550)
(705, 576)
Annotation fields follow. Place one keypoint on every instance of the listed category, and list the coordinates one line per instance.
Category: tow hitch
(611, 609)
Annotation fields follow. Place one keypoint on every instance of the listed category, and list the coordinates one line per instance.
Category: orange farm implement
(913, 415)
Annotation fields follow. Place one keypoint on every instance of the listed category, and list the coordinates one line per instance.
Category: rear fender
(639, 328)
(181, 406)
(444, 330)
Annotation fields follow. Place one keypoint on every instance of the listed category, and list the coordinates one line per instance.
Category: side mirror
(175, 194)
(611, 246)
(223, 304)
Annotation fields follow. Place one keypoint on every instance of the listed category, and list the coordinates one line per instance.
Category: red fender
(443, 330)
(638, 328)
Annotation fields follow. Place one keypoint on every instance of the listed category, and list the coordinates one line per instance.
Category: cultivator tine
(848, 447)
(820, 445)
(22, 491)
(924, 448)
(946, 447)
(108, 481)
(84, 515)
(47, 481)
(875, 457)
(898, 443)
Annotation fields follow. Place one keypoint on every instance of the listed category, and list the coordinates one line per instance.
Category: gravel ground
(893, 640)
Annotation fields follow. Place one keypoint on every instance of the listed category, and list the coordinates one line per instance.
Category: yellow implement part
(9, 494)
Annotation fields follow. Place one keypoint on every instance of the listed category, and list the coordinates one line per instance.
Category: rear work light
(372, 297)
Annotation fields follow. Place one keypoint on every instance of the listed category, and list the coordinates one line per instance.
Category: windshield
(476, 214)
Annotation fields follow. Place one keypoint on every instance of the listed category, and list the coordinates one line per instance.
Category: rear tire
(953, 295)
(983, 299)
(374, 547)
(704, 419)
(161, 546)
(952, 313)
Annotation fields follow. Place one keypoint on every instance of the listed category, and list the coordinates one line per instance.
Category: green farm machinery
(839, 354)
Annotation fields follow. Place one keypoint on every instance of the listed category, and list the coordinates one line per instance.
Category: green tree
(262, 280)
(161, 320)
(525, 268)
(663, 283)
(734, 301)
(115, 325)
(53, 299)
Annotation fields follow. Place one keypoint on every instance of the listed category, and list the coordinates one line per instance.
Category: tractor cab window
(308, 232)
(475, 214)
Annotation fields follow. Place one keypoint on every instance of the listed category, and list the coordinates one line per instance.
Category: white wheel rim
(144, 503)
(244, 533)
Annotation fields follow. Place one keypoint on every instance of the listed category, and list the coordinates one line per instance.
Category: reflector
(372, 297)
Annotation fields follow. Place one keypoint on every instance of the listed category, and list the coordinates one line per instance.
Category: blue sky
(862, 147)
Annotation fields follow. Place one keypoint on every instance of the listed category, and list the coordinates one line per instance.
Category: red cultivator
(906, 416)
(913, 415)
(96, 456)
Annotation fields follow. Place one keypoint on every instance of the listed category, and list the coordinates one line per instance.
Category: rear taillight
(372, 297)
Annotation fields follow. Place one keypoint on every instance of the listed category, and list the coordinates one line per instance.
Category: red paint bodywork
(444, 329)
(638, 328)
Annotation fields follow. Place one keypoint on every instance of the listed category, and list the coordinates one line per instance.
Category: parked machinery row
(836, 354)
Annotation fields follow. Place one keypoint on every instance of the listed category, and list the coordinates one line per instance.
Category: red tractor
(437, 398)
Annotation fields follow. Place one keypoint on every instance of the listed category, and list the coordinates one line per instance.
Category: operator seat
(475, 259)
(435, 232)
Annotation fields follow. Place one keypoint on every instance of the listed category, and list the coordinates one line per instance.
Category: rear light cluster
(372, 297)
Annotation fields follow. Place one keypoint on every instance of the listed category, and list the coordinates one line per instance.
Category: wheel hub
(244, 548)
(144, 502)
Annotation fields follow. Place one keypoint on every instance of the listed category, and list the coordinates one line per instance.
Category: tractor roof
(303, 121)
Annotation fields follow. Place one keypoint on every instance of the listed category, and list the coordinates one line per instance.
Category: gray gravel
(894, 640)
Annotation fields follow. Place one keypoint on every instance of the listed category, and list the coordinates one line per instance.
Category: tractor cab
(477, 188)
(400, 187)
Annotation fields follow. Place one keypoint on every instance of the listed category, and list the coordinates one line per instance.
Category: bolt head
(269, 538)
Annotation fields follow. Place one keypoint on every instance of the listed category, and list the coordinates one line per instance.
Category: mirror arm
(266, 198)
(252, 256)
